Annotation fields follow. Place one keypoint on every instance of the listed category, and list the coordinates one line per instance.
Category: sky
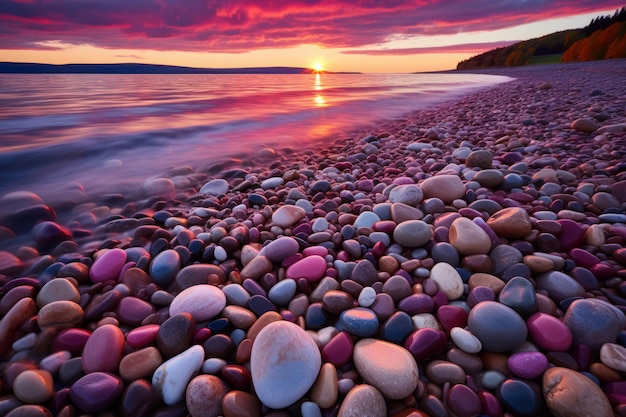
(340, 35)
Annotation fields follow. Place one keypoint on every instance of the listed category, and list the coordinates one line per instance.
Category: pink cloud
(242, 25)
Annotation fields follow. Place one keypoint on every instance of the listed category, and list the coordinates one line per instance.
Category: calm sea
(109, 131)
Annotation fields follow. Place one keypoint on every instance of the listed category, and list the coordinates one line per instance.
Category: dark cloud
(241, 25)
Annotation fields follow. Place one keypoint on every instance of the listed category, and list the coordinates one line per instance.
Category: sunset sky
(342, 35)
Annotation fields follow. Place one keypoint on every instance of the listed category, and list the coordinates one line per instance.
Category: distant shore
(475, 252)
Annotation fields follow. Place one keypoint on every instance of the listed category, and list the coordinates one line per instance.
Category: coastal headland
(464, 260)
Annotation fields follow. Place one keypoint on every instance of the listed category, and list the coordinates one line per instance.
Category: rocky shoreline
(463, 261)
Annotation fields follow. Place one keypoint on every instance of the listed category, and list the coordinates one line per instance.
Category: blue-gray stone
(164, 267)
(519, 294)
(498, 327)
(518, 398)
(397, 327)
(281, 293)
(358, 321)
(592, 323)
(612, 218)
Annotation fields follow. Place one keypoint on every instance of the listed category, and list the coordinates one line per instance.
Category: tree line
(603, 38)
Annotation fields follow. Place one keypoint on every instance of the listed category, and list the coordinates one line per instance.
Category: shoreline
(481, 243)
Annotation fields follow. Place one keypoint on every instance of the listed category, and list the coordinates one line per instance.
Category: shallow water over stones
(384, 275)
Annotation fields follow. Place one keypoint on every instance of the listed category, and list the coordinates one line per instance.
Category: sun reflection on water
(318, 99)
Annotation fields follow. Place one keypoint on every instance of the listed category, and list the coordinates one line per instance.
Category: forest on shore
(603, 38)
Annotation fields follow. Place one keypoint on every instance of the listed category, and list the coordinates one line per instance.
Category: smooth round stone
(548, 332)
(364, 273)
(503, 257)
(204, 396)
(324, 392)
(28, 410)
(165, 266)
(559, 286)
(310, 409)
(592, 323)
(402, 212)
(23, 310)
(613, 356)
(175, 334)
(140, 363)
(395, 379)
(60, 315)
(518, 398)
(133, 311)
(288, 215)
(281, 293)
(162, 187)
(367, 296)
(72, 340)
(397, 327)
(451, 316)
(572, 234)
(199, 274)
(426, 342)
(139, 399)
(33, 386)
(312, 268)
(584, 124)
(272, 183)
(571, 394)
(107, 266)
(363, 400)
(465, 340)
(462, 401)
(256, 268)
(519, 294)
(240, 404)
(447, 188)
(142, 336)
(358, 321)
(481, 158)
(511, 222)
(338, 350)
(445, 252)
(397, 287)
(480, 294)
(409, 194)
(104, 349)
(96, 392)
(412, 233)
(49, 234)
(528, 365)
(203, 302)
(440, 372)
(489, 178)
(280, 249)
(498, 327)
(57, 289)
(468, 238)
(214, 187)
(171, 377)
(366, 220)
(284, 364)
(448, 280)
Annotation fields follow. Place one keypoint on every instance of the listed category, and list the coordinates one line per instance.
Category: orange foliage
(602, 44)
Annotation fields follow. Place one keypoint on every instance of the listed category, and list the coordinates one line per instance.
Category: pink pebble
(72, 340)
(290, 260)
(338, 350)
(104, 350)
(528, 365)
(315, 250)
(108, 266)
(549, 333)
(311, 268)
(143, 336)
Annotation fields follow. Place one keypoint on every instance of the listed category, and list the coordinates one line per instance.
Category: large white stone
(203, 302)
(172, 377)
(448, 280)
(284, 364)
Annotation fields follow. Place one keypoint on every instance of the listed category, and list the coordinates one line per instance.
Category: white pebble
(220, 254)
(465, 340)
(367, 297)
(213, 366)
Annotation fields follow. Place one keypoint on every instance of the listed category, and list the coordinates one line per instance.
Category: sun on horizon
(318, 67)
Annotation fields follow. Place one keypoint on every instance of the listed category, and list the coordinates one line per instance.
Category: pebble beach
(463, 261)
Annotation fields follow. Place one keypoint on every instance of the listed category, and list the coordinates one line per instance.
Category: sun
(318, 67)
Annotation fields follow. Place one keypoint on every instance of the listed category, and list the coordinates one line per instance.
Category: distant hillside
(604, 37)
(28, 68)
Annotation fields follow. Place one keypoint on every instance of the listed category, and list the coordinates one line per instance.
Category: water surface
(107, 131)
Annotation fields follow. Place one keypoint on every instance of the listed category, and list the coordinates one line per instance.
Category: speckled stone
(204, 396)
(395, 379)
(528, 365)
(570, 394)
(409, 194)
(359, 321)
(284, 363)
(559, 286)
(363, 400)
(592, 323)
(498, 327)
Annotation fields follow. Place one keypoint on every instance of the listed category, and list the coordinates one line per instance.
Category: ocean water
(109, 132)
